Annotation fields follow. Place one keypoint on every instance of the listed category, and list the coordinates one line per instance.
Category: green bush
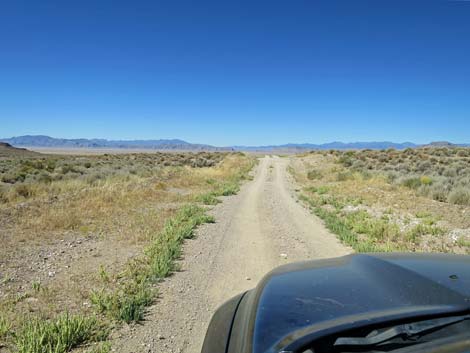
(412, 183)
(425, 180)
(314, 174)
(44, 177)
(439, 192)
(67, 168)
(345, 160)
(459, 196)
(12, 177)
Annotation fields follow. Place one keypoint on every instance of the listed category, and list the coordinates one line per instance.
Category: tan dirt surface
(262, 227)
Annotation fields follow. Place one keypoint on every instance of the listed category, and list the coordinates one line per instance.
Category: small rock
(283, 256)
(248, 278)
(51, 274)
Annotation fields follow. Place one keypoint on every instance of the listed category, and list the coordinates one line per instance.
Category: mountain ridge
(51, 142)
(178, 144)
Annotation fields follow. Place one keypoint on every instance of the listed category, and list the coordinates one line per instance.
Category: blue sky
(241, 72)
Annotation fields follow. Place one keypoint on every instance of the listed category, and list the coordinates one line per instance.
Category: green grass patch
(463, 242)
(5, 327)
(377, 229)
(415, 233)
(320, 190)
(104, 347)
(127, 304)
(227, 189)
(55, 336)
(209, 198)
(356, 229)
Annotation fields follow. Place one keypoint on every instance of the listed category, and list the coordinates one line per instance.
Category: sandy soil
(260, 228)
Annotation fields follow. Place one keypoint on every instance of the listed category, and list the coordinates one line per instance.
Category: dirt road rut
(260, 228)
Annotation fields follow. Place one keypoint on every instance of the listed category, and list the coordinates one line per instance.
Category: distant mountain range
(51, 142)
(175, 144)
(330, 146)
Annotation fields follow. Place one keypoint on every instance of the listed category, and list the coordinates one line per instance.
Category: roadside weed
(5, 327)
(57, 336)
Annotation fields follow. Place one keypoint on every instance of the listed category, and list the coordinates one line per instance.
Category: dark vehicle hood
(314, 297)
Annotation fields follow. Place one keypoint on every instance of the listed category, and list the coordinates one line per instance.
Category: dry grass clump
(442, 174)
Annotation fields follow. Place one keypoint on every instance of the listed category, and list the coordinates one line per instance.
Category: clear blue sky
(239, 72)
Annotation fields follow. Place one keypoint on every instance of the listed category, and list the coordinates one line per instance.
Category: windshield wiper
(405, 331)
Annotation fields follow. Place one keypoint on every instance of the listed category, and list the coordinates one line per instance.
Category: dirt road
(258, 229)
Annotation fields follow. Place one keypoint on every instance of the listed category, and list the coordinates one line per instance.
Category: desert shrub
(67, 168)
(424, 166)
(14, 177)
(464, 181)
(24, 190)
(459, 196)
(314, 174)
(425, 180)
(450, 172)
(438, 191)
(358, 164)
(92, 179)
(3, 194)
(412, 182)
(345, 160)
(50, 165)
(343, 176)
(44, 177)
(463, 153)
(392, 176)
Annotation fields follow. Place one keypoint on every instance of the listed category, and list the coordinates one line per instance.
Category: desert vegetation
(442, 174)
(87, 239)
(390, 200)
